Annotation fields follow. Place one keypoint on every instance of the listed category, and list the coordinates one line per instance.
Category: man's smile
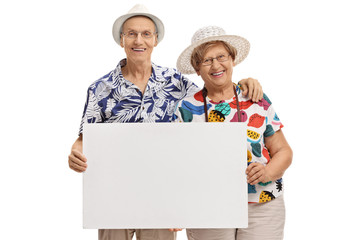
(138, 49)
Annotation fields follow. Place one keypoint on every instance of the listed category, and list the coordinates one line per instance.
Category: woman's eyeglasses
(220, 58)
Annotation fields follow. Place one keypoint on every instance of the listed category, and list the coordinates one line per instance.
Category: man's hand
(77, 160)
(256, 172)
(252, 88)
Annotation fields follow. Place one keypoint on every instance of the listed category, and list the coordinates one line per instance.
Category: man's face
(138, 49)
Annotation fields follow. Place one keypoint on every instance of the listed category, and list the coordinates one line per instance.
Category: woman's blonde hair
(198, 53)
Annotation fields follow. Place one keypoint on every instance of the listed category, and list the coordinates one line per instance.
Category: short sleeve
(190, 87)
(273, 122)
(92, 110)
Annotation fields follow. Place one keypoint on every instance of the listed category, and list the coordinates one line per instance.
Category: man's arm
(249, 86)
(253, 88)
(77, 160)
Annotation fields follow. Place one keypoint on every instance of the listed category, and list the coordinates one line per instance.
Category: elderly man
(137, 90)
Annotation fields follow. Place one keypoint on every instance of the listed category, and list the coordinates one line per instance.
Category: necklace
(204, 94)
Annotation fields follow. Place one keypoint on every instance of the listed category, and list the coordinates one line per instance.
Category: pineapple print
(224, 108)
(216, 116)
(266, 196)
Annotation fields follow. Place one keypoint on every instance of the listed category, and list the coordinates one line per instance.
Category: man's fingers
(76, 167)
(244, 89)
(79, 155)
(76, 160)
(256, 90)
(261, 93)
(256, 95)
(250, 90)
(77, 164)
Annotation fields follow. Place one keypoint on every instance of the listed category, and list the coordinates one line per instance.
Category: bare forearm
(78, 144)
(279, 163)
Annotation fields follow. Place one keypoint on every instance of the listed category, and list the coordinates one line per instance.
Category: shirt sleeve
(190, 87)
(273, 122)
(92, 110)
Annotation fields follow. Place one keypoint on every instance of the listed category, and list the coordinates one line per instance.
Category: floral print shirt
(112, 98)
(261, 121)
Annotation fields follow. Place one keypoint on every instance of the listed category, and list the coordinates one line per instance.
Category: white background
(304, 53)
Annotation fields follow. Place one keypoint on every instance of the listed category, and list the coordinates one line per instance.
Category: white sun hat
(137, 10)
(208, 34)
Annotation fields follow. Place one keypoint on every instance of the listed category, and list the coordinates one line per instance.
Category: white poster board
(165, 175)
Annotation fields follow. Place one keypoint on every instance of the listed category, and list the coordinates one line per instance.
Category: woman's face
(138, 49)
(218, 74)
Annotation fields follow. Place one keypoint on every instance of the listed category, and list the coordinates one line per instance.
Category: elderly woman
(137, 90)
(212, 55)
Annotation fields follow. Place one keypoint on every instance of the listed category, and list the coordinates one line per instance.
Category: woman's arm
(281, 158)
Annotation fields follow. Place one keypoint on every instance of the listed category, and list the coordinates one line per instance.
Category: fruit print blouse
(261, 121)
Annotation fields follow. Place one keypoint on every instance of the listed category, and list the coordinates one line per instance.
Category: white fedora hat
(137, 10)
(208, 34)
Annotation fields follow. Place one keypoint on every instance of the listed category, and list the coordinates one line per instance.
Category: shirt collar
(156, 73)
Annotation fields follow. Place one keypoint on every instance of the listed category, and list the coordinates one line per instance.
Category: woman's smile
(218, 74)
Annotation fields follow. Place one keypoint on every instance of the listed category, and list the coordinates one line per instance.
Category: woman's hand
(252, 88)
(175, 229)
(77, 160)
(256, 172)
(281, 158)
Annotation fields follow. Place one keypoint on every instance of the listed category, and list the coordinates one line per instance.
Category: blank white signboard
(165, 175)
